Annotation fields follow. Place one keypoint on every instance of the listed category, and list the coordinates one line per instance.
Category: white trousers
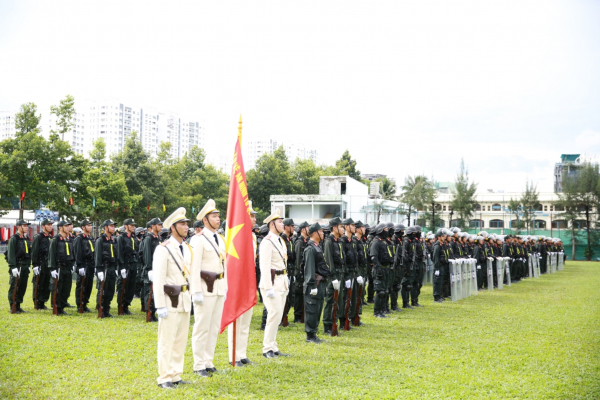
(275, 308)
(242, 327)
(207, 321)
(172, 340)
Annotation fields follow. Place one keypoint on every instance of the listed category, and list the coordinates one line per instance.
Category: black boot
(126, 310)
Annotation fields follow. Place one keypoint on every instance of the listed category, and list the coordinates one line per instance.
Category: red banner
(241, 275)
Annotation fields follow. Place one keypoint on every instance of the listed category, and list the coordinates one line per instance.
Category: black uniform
(351, 254)
(300, 245)
(107, 263)
(128, 245)
(316, 275)
(39, 258)
(334, 255)
(61, 258)
(85, 258)
(291, 267)
(439, 264)
(382, 259)
(19, 257)
(150, 243)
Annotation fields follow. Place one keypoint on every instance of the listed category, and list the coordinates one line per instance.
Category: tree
(417, 193)
(271, 176)
(307, 173)
(387, 188)
(347, 166)
(26, 120)
(463, 197)
(587, 194)
(514, 208)
(530, 203)
(107, 188)
(568, 202)
(64, 115)
(142, 177)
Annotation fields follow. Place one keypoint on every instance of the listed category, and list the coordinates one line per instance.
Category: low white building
(339, 196)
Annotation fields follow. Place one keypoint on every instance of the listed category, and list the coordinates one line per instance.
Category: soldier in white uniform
(209, 288)
(243, 322)
(171, 266)
(274, 284)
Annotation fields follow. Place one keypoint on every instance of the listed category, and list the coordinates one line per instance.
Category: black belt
(280, 272)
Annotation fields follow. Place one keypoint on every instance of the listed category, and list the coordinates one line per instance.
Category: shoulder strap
(176, 263)
(217, 250)
(281, 255)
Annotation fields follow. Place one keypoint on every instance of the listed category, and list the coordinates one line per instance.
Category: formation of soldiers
(324, 273)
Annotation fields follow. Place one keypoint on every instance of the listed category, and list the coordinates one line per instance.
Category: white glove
(336, 284)
(162, 312)
(490, 258)
(313, 292)
(479, 267)
(124, 273)
(198, 298)
(82, 271)
(360, 280)
(54, 274)
(437, 273)
(36, 270)
(348, 283)
(225, 297)
(271, 293)
(15, 272)
(101, 276)
(150, 276)
(116, 273)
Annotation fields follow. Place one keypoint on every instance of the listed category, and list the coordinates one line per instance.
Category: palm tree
(417, 192)
(387, 188)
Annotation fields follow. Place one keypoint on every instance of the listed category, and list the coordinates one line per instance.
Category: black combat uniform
(291, 266)
(129, 246)
(382, 259)
(150, 243)
(19, 257)
(334, 255)
(298, 287)
(61, 258)
(85, 257)
(107, 262)
(316, 276)
(39, 259)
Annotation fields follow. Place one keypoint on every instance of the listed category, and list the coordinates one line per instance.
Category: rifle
(148, 309)
(286, 309)
(13, 307)
(334, 328)
(100, 308)
(55, 294)
(347, 310)
(37, 284)
(123, 286)
(358, 303)
(81, 295)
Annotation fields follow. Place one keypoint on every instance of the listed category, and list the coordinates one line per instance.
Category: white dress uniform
(209, 255)
(172, 330)
(273, 255)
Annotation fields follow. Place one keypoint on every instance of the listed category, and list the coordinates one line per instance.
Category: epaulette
(166, 242)
(268, 237)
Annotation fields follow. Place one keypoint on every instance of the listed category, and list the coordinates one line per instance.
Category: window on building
(475, 223)
(496, 223)
(478, 207)
(546, 208)
(539, 207)
(580, 224)
(559, 208)
(444, 208)
(453, 223)
(539, 224)
(488, 208)
(559, 224)
(551, 208)
(496, 207)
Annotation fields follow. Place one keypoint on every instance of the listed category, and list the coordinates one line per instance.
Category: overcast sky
(407, 87)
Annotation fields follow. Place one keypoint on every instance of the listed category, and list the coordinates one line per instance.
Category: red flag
(241, 275)
(22, 195)
(148, 207)
(71, 201)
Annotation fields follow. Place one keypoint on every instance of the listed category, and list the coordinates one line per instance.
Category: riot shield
(554, 262)
(466, 283)
(428, 279)
(500, 272)
(490, 274)
(530, 265)
(561, 261)
(548, 263)
(507, 271)
(453, 290)
(458, 267)
(473, 277)
(536, 267)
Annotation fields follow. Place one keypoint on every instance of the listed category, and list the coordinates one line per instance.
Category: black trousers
(41, 285)
(313, 307)
(86, 281)
(63, 287)
(130, 283)
(109, 289)
(21, 288)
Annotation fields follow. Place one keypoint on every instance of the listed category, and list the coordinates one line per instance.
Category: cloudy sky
(409, 87)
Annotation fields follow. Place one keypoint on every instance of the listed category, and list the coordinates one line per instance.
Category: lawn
(537, 339)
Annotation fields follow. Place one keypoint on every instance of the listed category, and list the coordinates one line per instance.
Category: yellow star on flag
(231, 233)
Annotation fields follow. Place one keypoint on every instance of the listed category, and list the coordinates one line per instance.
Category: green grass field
(537, 339)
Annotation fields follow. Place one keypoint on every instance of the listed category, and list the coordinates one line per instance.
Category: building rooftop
(567, 158)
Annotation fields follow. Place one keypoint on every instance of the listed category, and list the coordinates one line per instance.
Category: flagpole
(234, 340)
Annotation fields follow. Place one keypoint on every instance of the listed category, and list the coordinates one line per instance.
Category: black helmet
(264, 229)
(398, 228)
(378, 229)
